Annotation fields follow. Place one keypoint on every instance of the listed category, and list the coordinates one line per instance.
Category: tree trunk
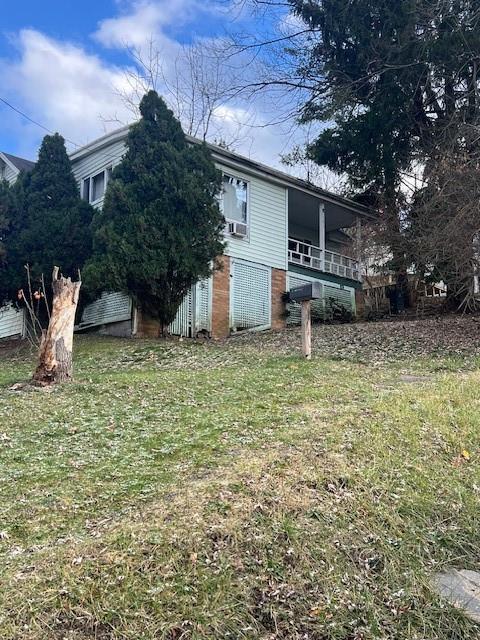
(55, 354)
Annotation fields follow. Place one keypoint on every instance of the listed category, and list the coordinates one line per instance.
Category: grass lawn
(208, 491)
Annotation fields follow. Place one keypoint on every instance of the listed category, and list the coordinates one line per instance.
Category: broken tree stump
(55, 362)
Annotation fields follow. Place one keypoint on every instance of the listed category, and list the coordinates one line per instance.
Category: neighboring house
(10, 166)
(280, 231)
(12, 321)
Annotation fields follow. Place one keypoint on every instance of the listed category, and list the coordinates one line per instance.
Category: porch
(312, 257)
(324, 235)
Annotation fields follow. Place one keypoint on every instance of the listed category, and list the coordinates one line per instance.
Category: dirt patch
(411, 379)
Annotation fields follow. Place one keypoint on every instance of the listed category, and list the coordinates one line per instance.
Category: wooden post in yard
(307, 328)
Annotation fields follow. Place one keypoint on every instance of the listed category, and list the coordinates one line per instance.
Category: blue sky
(64, 63)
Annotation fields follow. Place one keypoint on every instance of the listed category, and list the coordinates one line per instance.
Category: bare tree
(199, 85)
(300, 160)
(445, 228)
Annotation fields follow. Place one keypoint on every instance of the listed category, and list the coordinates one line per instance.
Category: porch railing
(307, 255)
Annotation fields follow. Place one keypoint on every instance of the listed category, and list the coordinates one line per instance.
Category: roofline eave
(241, 162)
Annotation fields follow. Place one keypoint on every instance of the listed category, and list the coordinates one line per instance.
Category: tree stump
(55, 362)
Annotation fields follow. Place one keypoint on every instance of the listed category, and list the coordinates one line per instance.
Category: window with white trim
(234, 199)
(93, 187)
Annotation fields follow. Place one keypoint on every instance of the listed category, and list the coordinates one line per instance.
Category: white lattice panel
(110, 307)
(182, 325)
(193, 314)
(250, 296)
(203, 295)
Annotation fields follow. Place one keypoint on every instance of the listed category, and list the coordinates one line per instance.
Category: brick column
(221, 300)
(279, 286)
(147, 327)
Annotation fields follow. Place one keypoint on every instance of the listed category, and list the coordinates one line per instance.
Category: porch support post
(358, 246)
(321, 234)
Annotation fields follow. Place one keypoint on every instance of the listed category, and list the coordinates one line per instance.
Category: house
(12, 321)
(281, 232)
(10, 166)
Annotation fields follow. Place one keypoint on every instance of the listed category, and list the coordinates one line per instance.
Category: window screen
(86, 189)
(98, 186)
(234, 199)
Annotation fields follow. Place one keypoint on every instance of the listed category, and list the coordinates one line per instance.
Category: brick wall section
(221, 300)
(147, 327)
(279, 286)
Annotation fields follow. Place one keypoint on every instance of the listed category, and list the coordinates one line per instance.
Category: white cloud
(72, 91)
(62, 86)
(132, 29)
(147, 20)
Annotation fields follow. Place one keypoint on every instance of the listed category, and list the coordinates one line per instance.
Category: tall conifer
(160, 229)
(49, 223)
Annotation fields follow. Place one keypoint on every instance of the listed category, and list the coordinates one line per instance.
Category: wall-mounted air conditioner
(238, 229)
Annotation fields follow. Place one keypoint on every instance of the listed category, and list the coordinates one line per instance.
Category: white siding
(110, 307)
(267, 217)
(10, 175)
(267, 209)
(97, 161)
(11, 322)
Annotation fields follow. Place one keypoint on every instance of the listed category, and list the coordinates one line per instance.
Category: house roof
(241, 162)
(20, 164)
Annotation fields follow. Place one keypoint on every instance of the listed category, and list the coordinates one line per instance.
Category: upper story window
(234, 199)
(93, 187)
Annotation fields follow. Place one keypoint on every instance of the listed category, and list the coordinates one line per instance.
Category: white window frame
(106, 176)
(222, 210)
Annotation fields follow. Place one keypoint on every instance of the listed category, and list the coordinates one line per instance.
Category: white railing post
(305, 255)
(321, 234)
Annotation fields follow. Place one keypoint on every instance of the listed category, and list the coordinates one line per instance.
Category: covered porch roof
(303, 210)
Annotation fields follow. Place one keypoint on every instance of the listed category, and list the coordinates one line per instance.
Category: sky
(64, 63)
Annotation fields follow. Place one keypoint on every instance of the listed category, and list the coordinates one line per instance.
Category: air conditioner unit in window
(238, 229)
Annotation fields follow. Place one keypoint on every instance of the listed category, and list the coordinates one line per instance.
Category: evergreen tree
(160, 228)
(49, 223)
(393, 81)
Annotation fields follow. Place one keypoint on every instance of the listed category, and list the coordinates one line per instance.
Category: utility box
(310, 291)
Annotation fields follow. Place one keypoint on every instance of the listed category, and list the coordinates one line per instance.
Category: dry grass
(183, 490)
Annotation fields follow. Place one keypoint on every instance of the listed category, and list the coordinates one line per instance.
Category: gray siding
(341, 294)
